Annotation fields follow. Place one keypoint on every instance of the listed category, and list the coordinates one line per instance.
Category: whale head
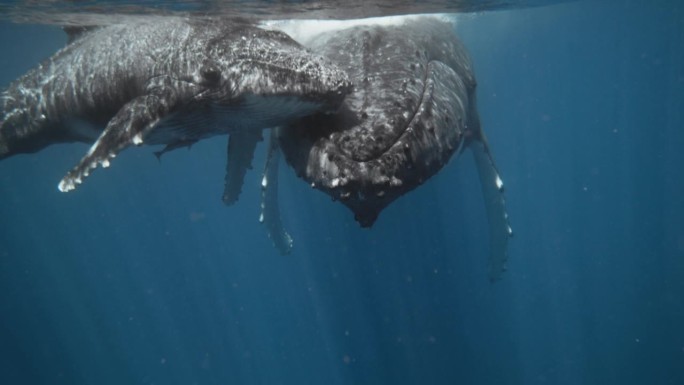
(250, 64)
(411, 109)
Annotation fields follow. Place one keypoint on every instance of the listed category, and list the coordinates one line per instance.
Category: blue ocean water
(142, 276)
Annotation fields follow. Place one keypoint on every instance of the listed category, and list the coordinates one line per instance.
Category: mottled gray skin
(412, 107)
(163, 80)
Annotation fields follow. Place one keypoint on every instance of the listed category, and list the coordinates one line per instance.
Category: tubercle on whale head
(368, 200)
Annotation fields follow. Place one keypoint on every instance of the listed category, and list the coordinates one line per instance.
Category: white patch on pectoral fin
(495, 205)
(129, 126)
(270, 210)
(241, 146)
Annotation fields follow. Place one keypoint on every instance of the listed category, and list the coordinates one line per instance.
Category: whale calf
(166, 80)
(412, 108)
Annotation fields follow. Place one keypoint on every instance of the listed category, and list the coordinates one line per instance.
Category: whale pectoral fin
(129, 126)
(495, 205)
(241, 146)
(270, 211)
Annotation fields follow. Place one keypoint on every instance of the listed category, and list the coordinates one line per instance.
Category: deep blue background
(142, 276)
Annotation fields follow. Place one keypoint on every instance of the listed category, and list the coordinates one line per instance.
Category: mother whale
(166, 80)
(412, 108)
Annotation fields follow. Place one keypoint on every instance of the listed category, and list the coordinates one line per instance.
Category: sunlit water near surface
(65, 11)
(143, 276)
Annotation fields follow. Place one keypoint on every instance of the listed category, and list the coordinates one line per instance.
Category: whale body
(412, 109)
(166, 80)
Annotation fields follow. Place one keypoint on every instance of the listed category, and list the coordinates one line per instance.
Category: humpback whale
(412, 108)
(166, 80)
